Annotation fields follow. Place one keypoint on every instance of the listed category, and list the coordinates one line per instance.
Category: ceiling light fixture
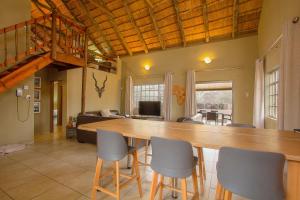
(147, 67)
(207, 60)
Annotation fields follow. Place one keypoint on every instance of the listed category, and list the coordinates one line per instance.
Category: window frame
(272, 87)
(147, 93)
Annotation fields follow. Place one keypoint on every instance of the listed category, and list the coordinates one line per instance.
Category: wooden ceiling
(127, 27)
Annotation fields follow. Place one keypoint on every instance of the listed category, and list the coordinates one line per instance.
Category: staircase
(30, 46)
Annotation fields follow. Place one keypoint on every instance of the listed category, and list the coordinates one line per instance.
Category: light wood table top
(285, 142)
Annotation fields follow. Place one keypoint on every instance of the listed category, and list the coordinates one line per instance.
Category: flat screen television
(149, 108)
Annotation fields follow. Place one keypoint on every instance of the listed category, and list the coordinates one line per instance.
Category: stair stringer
(25, 71)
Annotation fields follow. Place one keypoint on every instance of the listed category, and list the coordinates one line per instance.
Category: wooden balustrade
(49, 32)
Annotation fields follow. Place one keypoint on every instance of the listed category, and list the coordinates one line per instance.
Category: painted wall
(239, 53)
(12, 130)
(110, 98)
(274, 14)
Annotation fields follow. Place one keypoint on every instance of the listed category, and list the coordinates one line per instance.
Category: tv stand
(147, 117)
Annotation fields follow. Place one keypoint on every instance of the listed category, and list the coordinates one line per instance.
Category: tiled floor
(55, 168)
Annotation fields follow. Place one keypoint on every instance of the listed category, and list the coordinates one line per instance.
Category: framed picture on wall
(37, 82)
(36, 107)
(37, 95)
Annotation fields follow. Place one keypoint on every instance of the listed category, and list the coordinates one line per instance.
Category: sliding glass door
(214, 102)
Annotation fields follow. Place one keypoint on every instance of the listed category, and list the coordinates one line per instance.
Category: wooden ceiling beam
(37, 5)
(179, 22)
(235, 16)
(101, 7)
(84, 8)
(98, 46)
(116, 29)
(205, 20)
(54, 7)
(130, 16)
(149, 3)
(158, 33)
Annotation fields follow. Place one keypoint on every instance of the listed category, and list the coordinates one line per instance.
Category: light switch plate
(19, 92)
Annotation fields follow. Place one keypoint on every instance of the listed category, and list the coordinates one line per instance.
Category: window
(149, 92)
(215, 97)
(272, 93)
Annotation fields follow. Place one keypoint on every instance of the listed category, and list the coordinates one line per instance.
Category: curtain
(129, 96)
(289, 78)
(258, 105)
(167, 105)
(190, 94)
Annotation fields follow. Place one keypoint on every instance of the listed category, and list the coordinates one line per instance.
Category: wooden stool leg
(96, 178)
(146, 151)
(203, 165)
(219, 192)
(201, 162)
(137, 172)
(195, 183)
(132, 168)
(153, 186)
(118, 179)
(183, 189)
(227, 195)
(200, 165)
(161, 187)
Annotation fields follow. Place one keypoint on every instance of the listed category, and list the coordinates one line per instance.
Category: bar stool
(174, 159)
(241, 125)
(201, 164)
(112, 146)
(250, 174)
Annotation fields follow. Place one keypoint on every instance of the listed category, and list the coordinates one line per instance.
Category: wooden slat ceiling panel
(134, 26)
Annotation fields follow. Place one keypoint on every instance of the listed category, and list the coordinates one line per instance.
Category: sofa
(90, 117)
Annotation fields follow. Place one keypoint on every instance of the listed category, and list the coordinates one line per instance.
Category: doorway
(56, 105)
(214, 102)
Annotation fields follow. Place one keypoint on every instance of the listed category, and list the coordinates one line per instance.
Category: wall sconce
(147, 67)
(207, 60)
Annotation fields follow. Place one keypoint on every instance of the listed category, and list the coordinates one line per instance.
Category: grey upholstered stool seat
(240, 125)
(251, 174)
(174, 159)
(112, 146)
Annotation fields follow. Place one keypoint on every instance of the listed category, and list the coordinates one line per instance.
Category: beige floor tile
(83, 198)
(4, 196)
(31, 189)
(15, 181)
(4, 161)
(24, 155)
(36, 161)
(81, 183)
(11, 175)
(59, 192)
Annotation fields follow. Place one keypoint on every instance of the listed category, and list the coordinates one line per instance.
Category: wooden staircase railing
(47, 39)
(53, 32)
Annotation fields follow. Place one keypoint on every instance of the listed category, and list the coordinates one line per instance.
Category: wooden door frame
(60, 103)
(51, 106)
(60, 114)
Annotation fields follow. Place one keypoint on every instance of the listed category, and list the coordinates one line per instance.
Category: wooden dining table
(215, 137)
